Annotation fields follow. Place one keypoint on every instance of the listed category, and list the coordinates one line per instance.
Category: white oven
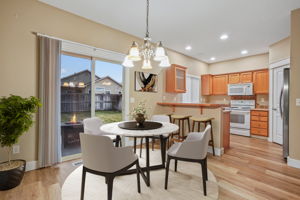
(240, 119)
(240, 89)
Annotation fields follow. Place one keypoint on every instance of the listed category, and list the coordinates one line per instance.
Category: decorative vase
(11, 178)
(140, 119)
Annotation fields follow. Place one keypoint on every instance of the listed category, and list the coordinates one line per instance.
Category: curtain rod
(72, 42)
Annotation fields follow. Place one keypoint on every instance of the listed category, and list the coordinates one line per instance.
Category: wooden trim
(262, 69)
(192, 105)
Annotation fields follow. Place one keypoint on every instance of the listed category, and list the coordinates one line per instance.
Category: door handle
(280, 102)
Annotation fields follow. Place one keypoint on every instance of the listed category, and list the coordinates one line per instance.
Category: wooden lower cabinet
(259, 123)
(226, 130)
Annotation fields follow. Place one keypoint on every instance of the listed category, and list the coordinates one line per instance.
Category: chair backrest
(196, 145)
(160, 118)
(92, 126)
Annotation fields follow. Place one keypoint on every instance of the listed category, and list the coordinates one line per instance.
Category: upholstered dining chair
(156, 118)
(192, 149)
(92, 126)
(100, 157)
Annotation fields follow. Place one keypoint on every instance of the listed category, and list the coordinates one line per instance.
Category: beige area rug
(185, 184)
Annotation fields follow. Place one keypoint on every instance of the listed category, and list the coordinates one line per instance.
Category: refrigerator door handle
(280, 102)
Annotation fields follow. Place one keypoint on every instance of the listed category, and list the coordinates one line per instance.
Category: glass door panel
(180, 79)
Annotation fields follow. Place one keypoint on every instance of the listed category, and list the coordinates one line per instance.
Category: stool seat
(202, 119)
(180, 116)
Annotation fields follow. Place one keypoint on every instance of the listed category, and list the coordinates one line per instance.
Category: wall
(280, 50)
(19, 53)
(294, 133)
(237, 65)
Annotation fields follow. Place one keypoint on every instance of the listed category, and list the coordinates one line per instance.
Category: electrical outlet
(297, 102)
(16, 149)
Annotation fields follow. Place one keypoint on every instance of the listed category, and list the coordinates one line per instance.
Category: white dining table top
(114, 129)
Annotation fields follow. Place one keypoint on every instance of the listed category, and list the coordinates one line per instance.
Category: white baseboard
(31, 165)
(218, 151)
(293, 162)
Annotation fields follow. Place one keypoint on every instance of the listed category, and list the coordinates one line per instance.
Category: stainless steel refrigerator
(284, 105)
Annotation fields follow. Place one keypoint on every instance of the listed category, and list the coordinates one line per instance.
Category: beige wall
(19, 58)
(241, 64)
(280, 50)
(294, 134)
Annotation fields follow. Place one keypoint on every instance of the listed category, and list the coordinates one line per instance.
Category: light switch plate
(297, 102)
(16, 149)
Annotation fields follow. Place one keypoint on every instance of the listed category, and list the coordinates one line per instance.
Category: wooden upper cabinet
(219, 84)
(233, 78)
(261, 82)
(206, 84)
(246, 77)
(176, 79)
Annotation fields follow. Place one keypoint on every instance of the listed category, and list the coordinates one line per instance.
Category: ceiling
(250, 24)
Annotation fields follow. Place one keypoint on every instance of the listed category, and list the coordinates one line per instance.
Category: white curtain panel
(49, 93)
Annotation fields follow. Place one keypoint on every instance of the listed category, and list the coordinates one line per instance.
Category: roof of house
(78, 73)
(108, 77)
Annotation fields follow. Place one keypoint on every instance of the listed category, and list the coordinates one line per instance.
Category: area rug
(185, 184)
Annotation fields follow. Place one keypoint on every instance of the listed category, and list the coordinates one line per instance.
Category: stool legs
(212, 138)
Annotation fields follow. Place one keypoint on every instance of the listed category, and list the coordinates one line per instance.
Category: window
(192, 94)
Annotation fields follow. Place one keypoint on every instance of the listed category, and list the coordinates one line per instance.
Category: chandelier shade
(147, 51)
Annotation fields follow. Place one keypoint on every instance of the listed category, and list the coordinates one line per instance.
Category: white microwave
(240, 89)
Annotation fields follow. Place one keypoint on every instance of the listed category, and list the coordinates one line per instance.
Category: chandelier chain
(147, 20)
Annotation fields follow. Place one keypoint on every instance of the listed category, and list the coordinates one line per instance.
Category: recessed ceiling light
(244, 52)
(188, 48)
(212, 58)
(224, 37)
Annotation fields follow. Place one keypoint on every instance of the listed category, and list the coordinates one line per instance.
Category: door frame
(272, 66)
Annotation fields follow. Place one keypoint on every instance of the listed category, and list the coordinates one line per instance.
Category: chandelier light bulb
(127, 62)
(134, 53)
(160, 53)
(165, 62)
(147, 64)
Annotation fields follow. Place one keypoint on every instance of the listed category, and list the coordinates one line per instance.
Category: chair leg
(176, 162)
(212, 138)
(189, 125)
(120, 142)
(205, 167)
(167, 173)
(199, 125)
(203, 176)
(193, 126)
(110, 181)
(83, 184)
(134, 144)
(138, 176)
(141, 147)
(153, 141)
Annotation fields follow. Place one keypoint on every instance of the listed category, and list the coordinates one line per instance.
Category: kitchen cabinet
(206, 84)
(226, 130)
(233, 78)
(261, 82)
(259, 123)
(219, 84)
(176, 79)
(246, 77)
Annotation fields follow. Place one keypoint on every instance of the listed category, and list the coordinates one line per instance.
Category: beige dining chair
(100, 157)
(156, 118)
(92, 126)
(192, 149)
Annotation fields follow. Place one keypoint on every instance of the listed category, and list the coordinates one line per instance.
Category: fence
(78, 102)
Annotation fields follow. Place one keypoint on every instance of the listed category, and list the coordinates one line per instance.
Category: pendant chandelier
(147, 51)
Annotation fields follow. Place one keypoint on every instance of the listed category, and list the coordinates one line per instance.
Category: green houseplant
(16, 117)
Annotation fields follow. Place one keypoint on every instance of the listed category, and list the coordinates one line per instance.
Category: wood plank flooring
(250, 169)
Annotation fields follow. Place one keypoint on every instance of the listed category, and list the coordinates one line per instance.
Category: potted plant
(16, 117)
(139, 113)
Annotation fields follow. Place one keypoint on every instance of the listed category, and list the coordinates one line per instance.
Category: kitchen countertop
(202, 105)
(260, 109)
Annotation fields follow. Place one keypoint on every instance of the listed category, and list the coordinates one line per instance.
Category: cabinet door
(180, 79)
(246, 77)
(220, 84)
(206, 84)
(176, 79)
(261, 82)
(233, 78)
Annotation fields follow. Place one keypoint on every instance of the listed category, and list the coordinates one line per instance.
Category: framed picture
(145, 82)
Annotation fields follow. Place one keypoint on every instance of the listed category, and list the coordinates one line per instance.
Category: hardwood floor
(250, 169)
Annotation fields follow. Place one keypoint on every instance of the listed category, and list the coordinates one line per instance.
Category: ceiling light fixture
(244, 52)
(188, 48)
(212, 58)
(147, 51)
(224, 37)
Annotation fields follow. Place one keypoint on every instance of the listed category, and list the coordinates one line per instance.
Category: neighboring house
(107, 85)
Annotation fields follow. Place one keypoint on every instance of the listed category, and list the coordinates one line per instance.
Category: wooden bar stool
(181, 119)
(204, 120)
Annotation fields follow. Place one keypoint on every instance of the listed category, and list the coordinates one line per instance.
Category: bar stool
(181, 119)
(204, 120)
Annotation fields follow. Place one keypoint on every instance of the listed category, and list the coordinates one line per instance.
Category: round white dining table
(166, 129)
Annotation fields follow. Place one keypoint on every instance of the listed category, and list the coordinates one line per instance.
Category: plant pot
(11, 178)
(140, 119)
